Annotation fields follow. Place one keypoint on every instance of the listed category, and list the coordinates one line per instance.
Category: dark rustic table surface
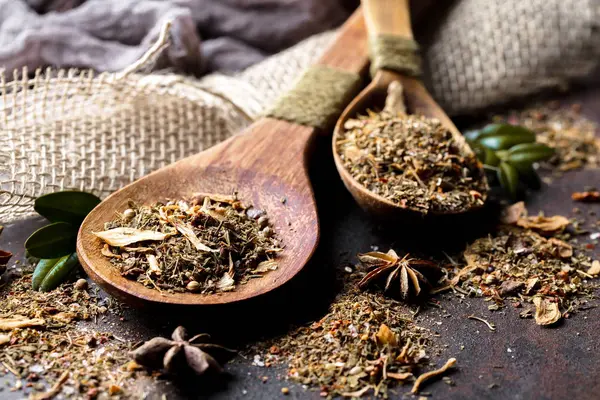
(520, 360)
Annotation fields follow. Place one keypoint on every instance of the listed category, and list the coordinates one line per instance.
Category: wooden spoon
(266, 164)
(390, 17)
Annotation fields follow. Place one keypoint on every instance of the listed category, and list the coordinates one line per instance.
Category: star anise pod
(404, 269)
(178, 356)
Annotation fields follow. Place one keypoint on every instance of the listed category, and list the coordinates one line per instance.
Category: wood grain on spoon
(266, 164)
(389, 17)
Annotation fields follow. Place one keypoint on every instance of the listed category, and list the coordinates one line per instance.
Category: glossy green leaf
(41, 270)
(60, 272)
(66, 206)
(506, 130)
(472, 135)
(529, 153)
(528, 175)
(509, 179)
(52, 241)
(504, 142)
(491, 158)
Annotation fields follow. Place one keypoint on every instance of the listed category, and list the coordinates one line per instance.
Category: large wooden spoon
(390, 17)
(266, 164)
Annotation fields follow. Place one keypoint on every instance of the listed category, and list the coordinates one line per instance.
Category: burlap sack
(73, 130)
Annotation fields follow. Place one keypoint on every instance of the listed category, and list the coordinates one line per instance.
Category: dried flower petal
(546, 312)
(19, 321)
(513, 213)
(266, 266)
(226, 283)
(153, 263)
(385, 336)
(187, 231)
(125, 236)
(595, 268)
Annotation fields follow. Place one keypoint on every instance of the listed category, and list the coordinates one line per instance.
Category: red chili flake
(590, 246)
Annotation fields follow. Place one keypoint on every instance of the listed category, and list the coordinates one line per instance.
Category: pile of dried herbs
(411, 160)
(208, 246)
(563, 128)
(366, 344)
(526, 261)
(41, 345)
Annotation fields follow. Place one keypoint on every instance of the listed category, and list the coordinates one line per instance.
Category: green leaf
(509, 179)
(472, 135)
(528, 175)
(52, 241)
(529, 153)
(60, 272)
(504, 136)
(67, 206)
(41, 270)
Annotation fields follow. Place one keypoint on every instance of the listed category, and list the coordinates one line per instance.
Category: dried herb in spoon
(209, 245)
(411, 160)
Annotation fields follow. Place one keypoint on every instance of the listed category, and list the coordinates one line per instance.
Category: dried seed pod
(151, 353)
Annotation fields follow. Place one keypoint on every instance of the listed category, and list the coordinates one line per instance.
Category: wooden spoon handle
(349, 52)
(387, 17)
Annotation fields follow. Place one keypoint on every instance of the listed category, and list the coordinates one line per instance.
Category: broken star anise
(404, 269)
(179, 356)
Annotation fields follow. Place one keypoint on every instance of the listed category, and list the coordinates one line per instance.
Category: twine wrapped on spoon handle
(395, 53)
(318, 98)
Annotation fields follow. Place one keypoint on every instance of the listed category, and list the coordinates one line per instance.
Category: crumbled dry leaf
(513, 213)
(107, 253)
(19, 321)
(211, 212)
(153, 264)
(586, 197)
(64, 317)
(543, 225)
(4, 339)
(595, 268)
(187, 231)
(385, 336)
(560, 248)
(266, 266)
(123, 236)
(532, 283)
(546, 312)
(226, 283)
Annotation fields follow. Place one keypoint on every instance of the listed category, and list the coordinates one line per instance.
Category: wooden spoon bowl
(266, 165)
(392, 17)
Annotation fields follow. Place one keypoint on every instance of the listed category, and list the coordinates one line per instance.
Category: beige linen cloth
(76, 130)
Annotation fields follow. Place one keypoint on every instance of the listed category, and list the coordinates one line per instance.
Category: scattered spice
(517, 263)
(546, 311)
(411, 160)
(180, 356)
(43, 345)
(365, 344)
(208, 246)
(586, 197)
